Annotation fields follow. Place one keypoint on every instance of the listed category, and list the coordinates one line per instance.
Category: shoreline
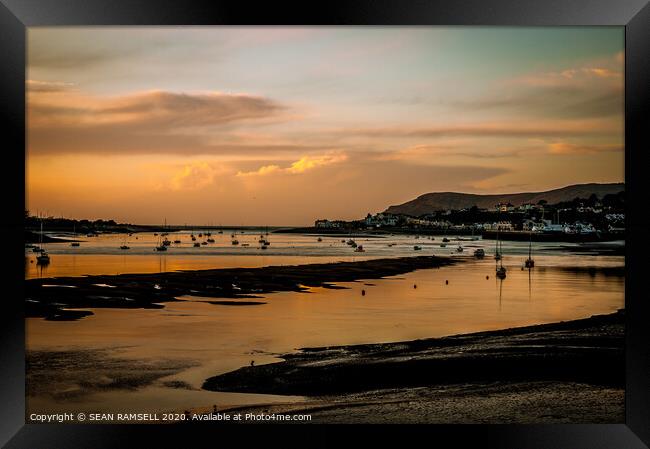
(521, 373)
(579, 350)
(52, 297)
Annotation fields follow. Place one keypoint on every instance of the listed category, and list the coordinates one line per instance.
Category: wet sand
(53, 297)
(569, 372)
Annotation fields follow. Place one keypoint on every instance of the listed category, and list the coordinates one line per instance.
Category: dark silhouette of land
(50, 298)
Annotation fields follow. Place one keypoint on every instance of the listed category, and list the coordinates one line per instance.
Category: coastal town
(593, 216)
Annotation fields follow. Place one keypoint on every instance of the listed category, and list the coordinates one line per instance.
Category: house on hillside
(504, 207)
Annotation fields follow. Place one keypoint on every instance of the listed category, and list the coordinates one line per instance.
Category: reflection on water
(464, 298)
(102, 254)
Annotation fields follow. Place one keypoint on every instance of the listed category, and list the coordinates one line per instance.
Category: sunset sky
(282, 126)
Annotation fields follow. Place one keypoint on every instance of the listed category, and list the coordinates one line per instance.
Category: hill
(430, 202)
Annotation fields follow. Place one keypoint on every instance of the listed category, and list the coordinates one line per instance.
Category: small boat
(124, 245)
(220, 232)
(161, 245)
(210, 240)
(235, 242)
(497, 251)
(266, 243)
(74, 233)
(459, 249)
(208, 234)
(479, 253)
(177, 241)
(193, 238)
(263, 247)
(446, 240)
(197, 245)
(37, 249)
(166, 242)
(43, 258)
(417, 248)
(319, 239)
(245, 244)
(443, 245)
(501, 270)
(530, 263)
(204, 243)
(200, 235)
(359, 249)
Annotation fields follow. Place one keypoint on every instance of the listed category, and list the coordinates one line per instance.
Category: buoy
(487, 277)
(363, 293)
(415, 286)
(446, 282)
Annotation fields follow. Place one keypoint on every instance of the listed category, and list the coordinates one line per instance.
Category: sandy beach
(554, 373)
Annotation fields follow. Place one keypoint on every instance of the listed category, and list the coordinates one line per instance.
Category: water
(218, 339)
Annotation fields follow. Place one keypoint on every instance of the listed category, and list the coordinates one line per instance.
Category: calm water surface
(219, 338)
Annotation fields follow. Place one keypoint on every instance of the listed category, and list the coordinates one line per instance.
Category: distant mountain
(430, 202)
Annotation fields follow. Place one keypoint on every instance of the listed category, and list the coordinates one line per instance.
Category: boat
(443, 245)
(501, 270)
(43, 258)
(177, 241)
(204, 243)
(263, 247)
(166, 242)
(208, 234)
(161, 245)
(319, 239)
(200, 234)
(235, 242)
(359, 249)
(220, 232)
(479, 253)
(74, 234)
(245, 244)
(445, 240)
(417, 248)
(210, 240)
(459, 249)
(497, 251)
(124, 245)
(530, 263)
(197, 245)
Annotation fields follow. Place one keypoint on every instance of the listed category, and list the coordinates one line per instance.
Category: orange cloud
(571, 148)
(302, 165)
(193, 177)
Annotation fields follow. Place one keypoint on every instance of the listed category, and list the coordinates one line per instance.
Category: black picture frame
(634, 15)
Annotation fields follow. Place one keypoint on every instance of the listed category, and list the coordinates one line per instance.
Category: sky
(282, 126)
